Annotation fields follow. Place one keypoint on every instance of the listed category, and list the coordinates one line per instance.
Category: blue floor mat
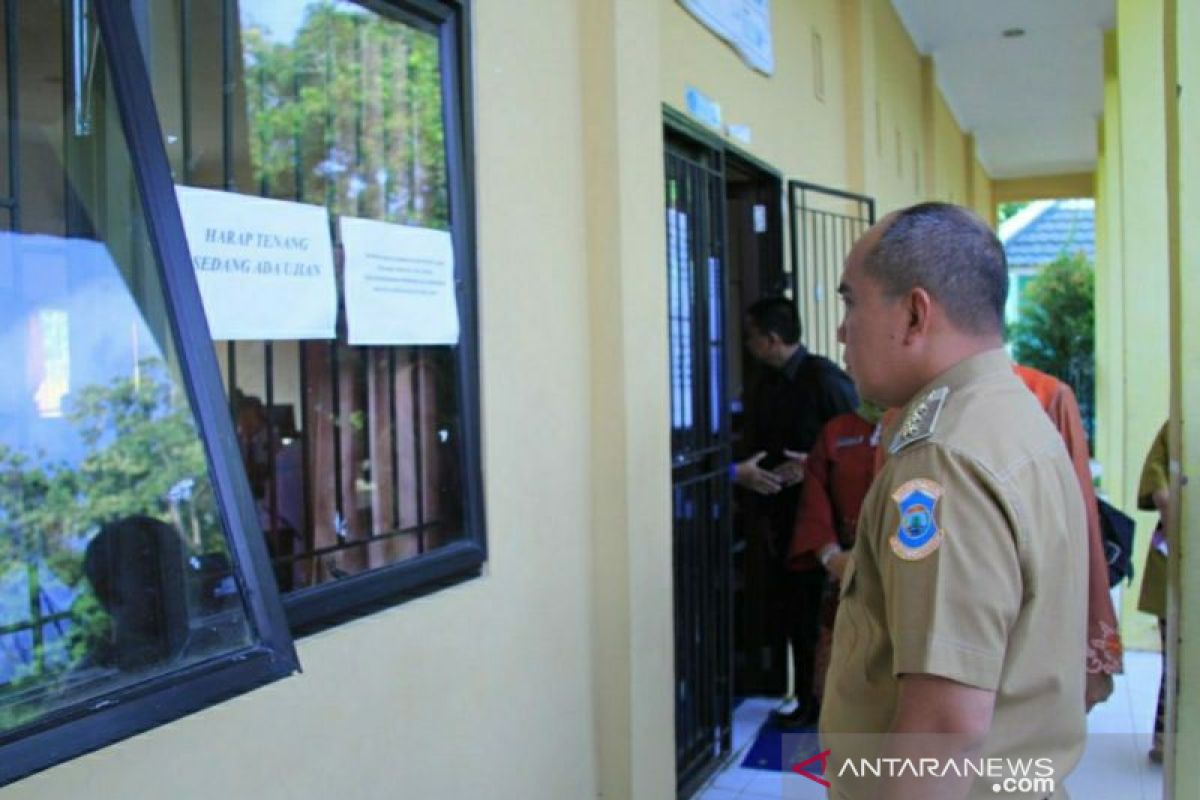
(770, 744)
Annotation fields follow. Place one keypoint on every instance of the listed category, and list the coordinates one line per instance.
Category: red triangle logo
(815, 775)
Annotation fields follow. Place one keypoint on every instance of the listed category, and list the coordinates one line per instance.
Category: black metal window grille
(701, 455)
(361, 459)
(824, 226)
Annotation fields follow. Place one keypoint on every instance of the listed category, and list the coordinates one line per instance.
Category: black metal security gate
(701, 454)
(824, 225)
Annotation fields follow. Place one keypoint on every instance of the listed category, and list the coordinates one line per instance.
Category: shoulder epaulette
(921, 420)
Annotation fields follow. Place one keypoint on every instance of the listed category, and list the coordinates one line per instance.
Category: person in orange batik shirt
(1104, 652)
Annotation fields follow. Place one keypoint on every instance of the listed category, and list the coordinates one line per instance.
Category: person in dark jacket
(795, 396)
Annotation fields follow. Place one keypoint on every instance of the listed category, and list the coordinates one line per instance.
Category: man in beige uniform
(962, 620)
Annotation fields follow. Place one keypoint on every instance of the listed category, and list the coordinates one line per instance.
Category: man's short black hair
(777, 315)
(137, 568)
(953, 255)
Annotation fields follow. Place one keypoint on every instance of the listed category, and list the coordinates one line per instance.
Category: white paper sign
(745, 24)
(680, 292)
(399, 284)
(265, 267)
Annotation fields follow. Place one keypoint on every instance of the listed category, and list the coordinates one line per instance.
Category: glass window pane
(353, 454)
(114, 565)
(5, 122)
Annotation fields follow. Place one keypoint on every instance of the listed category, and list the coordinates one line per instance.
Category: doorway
(724, 248)
(724, 215)
(753, 193)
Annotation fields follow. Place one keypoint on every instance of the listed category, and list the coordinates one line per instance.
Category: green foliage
(349, 116)
(1055, 331)
(142, 451)
(90, 635)
(142, 446)
(143, 456)
(1008, 210)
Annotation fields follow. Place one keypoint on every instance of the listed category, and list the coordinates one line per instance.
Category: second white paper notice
(399, 284)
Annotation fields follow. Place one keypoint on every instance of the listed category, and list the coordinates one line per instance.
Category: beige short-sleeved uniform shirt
(970, 564)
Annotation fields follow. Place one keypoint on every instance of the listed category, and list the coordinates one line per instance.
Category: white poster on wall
(744, 24)
(399, 283)
(265, 267)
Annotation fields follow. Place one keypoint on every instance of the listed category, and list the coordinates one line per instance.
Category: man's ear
(919, 307)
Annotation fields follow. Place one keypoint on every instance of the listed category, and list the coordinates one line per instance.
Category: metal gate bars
(700, 454)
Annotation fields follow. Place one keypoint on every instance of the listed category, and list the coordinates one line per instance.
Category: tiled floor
(1114, 766)
(736, 782)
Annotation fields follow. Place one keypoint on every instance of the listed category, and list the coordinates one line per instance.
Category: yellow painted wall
(1106, 267)
(1045, 187)
(792, 129)
(873, 109)
(950, 156)
(1132, 292)
(534, 681)
(982, 195)
(857, 56)
(1183, 170)
(899, 132)
(1140, 361)
(881, 127)
(632, 657)
(1110, 289)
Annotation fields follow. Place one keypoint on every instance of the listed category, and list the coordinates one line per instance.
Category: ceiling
(1033, 101)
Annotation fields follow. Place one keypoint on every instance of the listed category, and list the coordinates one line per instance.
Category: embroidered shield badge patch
(918, 533)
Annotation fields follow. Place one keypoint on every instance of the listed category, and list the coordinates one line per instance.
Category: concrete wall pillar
(1138, 359)
(633, 659)
(1182, 70)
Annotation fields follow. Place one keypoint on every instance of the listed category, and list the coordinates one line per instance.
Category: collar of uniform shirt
(962, 373)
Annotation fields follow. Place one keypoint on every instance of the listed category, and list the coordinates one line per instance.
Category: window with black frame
(119, 572)
(359, 457)
(156, 483)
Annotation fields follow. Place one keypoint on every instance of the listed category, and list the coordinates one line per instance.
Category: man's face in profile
(872, 329)
(760, 345)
